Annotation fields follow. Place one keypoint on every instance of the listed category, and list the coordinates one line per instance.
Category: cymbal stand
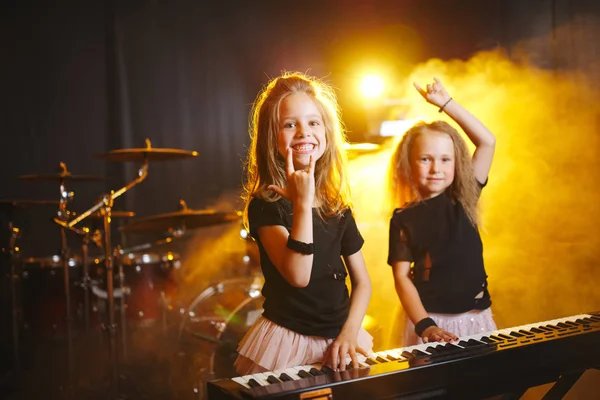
(122, 300)
(105, 207)
(63, 215)
(86, 282)
(13, 258)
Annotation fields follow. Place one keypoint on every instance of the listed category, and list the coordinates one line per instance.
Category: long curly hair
(265, 166)
(464, 187)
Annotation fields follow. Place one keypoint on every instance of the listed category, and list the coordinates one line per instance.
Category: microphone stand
(105, 207)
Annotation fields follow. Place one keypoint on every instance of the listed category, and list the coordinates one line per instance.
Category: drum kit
(132, 283)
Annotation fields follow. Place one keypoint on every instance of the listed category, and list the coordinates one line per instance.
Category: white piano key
(241, 381)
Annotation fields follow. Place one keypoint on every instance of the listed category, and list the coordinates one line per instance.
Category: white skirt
(465, 324)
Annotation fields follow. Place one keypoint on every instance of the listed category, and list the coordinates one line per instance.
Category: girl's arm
(346, 343)
(480, 136)
(411, 302)
(295, 267)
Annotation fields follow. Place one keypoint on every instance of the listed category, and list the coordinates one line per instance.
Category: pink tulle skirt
(268, 347)
(465, 324)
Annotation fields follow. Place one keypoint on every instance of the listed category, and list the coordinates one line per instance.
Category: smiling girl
(435, 250)
(297, 210)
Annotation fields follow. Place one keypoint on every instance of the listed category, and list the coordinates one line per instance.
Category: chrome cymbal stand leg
(122, 301)
(63, 214)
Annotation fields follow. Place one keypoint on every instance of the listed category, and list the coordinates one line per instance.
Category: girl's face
(432, 162)
(301, 129)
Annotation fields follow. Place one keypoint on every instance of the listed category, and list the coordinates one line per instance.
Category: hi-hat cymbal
(24, 203)
(60, 176)
(146, 153)
(184, 219)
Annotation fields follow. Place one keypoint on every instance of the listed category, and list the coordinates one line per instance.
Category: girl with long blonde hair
(435, 249)
(298, 211)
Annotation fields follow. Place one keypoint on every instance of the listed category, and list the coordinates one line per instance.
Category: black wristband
(300, 247)
(423, 324)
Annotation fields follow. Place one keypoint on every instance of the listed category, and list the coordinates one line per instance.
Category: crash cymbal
(146, 153)
(184, 219)
(60, 176)
(24, 203)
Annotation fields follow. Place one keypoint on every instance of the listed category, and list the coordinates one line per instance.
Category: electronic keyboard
(482, 365)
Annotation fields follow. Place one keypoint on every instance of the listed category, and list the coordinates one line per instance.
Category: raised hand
(435, 93)
(300, 183)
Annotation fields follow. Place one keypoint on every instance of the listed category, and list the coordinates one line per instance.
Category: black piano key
(391, 357)
(285, 377)
(303, 374)
(497, 338)
(418, 353)
(478, 343)
(487, 340)
(526, 333)
(595, 319)
(536, 330)
(451, 348)
(315, 372)
(434, 349)
(408, 354)
(381, 359)
(553, 327)
(273, 379)
(253, 383)
(516, 334)
(563, 325)
(503, 336)
(327, 370)
(571, 323)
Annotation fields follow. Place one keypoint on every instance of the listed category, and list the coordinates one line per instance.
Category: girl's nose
(303, 130)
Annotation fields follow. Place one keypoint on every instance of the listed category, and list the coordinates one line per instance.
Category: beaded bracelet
(423, 324)
(300, 247)
(445, 104)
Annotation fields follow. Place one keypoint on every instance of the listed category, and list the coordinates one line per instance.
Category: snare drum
(217, 320)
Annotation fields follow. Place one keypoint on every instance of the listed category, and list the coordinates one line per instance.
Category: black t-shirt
(447, 255)
(320, 308)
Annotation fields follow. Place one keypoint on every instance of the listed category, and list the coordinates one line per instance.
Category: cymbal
(146, 153)
(184, 219)
(23, 203)
(60, 176)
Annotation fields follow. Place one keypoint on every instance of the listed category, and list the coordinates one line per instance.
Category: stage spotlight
(372, 86)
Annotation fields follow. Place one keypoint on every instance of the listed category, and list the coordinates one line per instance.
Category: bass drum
(217, 319)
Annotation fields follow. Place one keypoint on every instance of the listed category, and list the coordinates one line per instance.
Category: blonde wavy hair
(265, 166)
(464, 188)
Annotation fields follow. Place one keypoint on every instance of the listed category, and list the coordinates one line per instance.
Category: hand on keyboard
(437, 334)
(343, 347)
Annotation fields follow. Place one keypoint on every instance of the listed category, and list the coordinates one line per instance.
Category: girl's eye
(315, 123)
(289, 125)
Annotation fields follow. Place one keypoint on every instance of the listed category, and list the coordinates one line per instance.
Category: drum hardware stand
(124, 292)
(105, 207)
(63, 215)
(13, 257)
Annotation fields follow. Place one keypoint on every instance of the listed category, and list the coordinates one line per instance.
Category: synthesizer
(506, 361)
